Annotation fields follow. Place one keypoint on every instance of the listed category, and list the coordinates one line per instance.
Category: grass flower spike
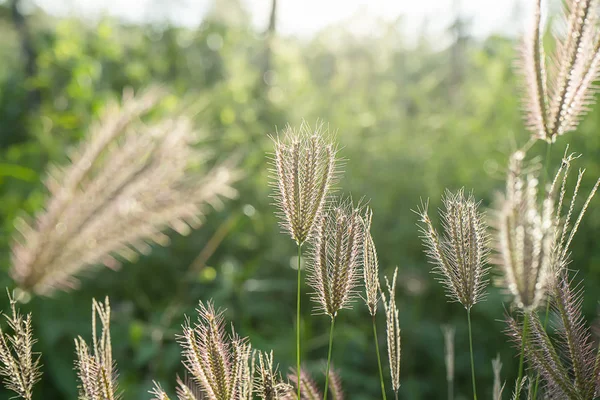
(393, 332)
(370, 266)
(304, 169)
(216, 361)
(557, 98)
(526, 235)
(124, 185)
(336, 259)
(19, 364)
(269, 385)
(95, 367)
(460, 255)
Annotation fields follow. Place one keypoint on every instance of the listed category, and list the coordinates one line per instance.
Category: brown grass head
(19, 364)
(460, 255)
(218, 362)
(304, 170)
(370, 266)
(125, 184)
(95, 367)
(393, 331)
(336, 258)
(558, 97)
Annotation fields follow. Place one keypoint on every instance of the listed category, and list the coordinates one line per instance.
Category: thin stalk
(396, 395)
(450, 390)
(471, 351)
(522, 357)
(379, 359)
(298, 320)
(329, 358)
(546, 167)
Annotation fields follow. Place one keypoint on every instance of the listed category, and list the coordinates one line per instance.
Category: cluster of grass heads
(132, 179)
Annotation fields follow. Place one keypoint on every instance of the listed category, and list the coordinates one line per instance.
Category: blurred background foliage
(412, 117)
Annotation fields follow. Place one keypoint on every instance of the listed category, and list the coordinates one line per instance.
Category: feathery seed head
(304, 170)
(336, 260)
(525, 237)
(269, 385)
(95, 367)
(569, 367)
(557, 98)
(19, 364)
(124, 185)
(533, 240)
(460, 255)
(218, 362)
(370, 266)
(393, 331)
(310, 390)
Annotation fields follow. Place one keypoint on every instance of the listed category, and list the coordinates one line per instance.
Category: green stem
(298, 320)
(522, 357)
(471, 351)
(379, 359)
(396, 395)
(329, 358)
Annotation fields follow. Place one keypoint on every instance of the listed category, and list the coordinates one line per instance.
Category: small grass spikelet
(460, 255)
(95, 367)
(19, 364)
(370, 266)
(336, 258)
(304, 170)
(393, 331)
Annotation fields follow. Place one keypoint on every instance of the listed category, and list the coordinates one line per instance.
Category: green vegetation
(412, 119)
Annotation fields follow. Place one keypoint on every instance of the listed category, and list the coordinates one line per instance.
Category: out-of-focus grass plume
(129, 181)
